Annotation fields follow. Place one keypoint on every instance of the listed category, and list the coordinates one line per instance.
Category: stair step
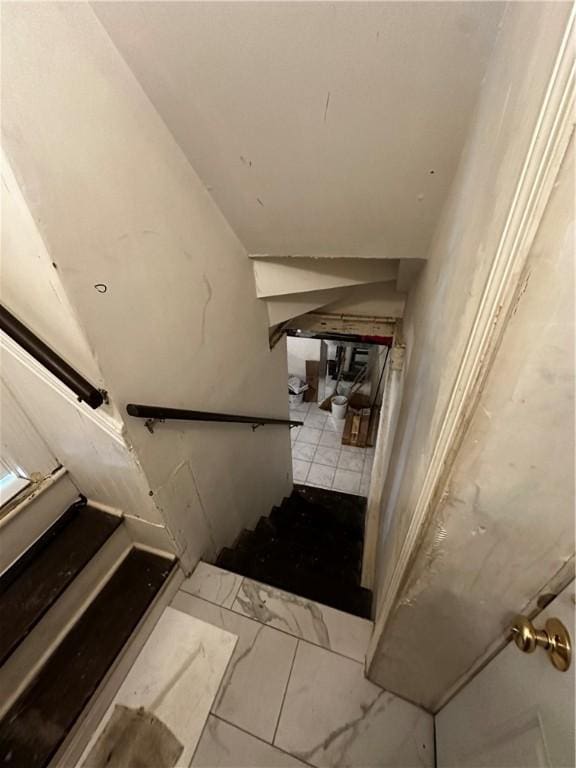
(334, 512)
(301, 580)
(316, 560)
(40, 719)
(309, 542)
(233, 560)
(312, 537)
(32, 585)
(24, 663)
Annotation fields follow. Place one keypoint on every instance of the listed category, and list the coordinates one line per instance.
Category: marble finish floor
(319, 458)
(294, 692)
(170, 688)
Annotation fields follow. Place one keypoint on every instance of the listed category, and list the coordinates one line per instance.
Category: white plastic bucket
(295, 399)
(339, 406)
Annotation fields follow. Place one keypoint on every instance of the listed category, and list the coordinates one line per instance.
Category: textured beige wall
(118, 204)
(437, 324)
(505, 526)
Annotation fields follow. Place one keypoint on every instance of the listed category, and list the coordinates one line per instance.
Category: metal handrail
(155, 413)
(41, 352)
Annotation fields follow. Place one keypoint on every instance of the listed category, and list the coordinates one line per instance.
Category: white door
(518, 712)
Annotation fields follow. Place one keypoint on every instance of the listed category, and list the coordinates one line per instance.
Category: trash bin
(295, 399)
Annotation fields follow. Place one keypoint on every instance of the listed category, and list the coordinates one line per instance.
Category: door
(518, 712)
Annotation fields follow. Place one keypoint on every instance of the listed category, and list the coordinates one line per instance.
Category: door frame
(549, 142)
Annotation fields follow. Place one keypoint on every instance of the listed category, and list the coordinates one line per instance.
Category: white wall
(179, 324)
(300, 350)
(89, 444)
(437, 324)
(31, 288)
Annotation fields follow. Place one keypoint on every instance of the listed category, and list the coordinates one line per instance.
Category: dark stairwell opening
(312, 544)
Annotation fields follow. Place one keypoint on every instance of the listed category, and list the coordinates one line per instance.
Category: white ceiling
(319, 128)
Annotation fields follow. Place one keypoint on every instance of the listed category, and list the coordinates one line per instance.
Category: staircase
(68, 606)
(310, 546)
(294, 285)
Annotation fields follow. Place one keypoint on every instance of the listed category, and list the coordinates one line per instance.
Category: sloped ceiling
(318, 128)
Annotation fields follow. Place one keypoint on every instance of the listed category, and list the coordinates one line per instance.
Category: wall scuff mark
(208, 288)
(326, 107)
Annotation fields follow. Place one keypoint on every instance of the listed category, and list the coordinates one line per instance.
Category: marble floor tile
(351, 461)
(332, 629)
(294, 432)
(252, 690)
(327, 456)
(330, 439)
(315, 420)
(334, 425)
(224, 746)
(213, 584)
(309, 435)
(354, 449)
(303, 451)
(300, 469)
(333, 716)
(321, 475)
(347, 481)
(302, 408)
(175, 677)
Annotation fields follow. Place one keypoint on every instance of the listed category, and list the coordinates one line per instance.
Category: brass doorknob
(554, 638)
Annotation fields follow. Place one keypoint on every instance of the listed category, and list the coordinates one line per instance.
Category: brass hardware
(554, 638)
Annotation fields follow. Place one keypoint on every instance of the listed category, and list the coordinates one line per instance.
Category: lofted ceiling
(320, 129)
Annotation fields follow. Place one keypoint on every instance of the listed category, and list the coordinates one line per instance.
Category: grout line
(259, 738)
(286, 690)
(367, 679)
(277, 629)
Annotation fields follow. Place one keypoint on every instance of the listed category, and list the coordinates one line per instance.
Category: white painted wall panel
(89, 444)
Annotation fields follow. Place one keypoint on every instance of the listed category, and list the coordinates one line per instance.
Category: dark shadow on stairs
(311, 546)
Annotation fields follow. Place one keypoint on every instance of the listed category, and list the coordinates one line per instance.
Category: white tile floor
(295, 693)
(318, 457)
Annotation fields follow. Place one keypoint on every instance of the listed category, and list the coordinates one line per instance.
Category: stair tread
(318, 556)
(28, 589)
(309, 538)
(332, 511)
(37, 723)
